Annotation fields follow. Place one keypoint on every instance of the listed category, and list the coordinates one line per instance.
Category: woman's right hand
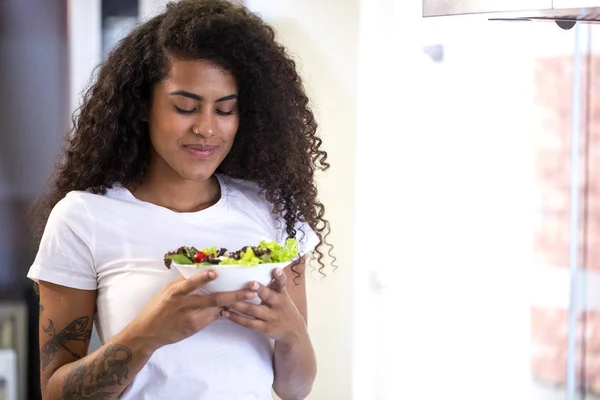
(177, 312)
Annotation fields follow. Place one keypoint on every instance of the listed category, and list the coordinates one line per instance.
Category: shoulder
(76, 209)
(249, 199)
(72, 205)
(81, 201)
(245, 190)
(241, 185)
(247, 195)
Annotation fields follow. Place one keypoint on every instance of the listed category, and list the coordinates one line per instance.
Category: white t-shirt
(115, 244)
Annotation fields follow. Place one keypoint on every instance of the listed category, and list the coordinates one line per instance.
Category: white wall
(378, 194)
(85, 43)
(446, 311)
(149, 8)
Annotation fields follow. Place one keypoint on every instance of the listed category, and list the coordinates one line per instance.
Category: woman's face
(193, 119)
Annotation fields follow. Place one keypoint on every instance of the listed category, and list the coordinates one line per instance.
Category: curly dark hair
(276, 145)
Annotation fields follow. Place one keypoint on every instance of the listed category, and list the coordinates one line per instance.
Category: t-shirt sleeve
(65, 255)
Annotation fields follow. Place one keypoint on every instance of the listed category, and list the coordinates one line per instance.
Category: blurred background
(463, 193)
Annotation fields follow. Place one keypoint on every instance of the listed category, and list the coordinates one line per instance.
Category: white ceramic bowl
(232, 277)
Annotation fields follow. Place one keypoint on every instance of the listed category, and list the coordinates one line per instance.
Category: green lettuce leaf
(211, 250)
(180, 259)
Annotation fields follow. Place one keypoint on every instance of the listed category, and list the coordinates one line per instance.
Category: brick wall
(552, 130)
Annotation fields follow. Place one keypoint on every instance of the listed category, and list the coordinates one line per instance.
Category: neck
(168, 189)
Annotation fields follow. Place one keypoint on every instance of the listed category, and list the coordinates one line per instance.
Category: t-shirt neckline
(218, 205)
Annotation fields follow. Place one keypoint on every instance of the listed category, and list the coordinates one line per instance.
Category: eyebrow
(194, 96)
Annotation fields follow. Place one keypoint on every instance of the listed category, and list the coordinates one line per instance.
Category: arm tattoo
(90, 380)
(77, 330)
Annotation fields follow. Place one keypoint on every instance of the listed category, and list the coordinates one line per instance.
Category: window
(468, 199)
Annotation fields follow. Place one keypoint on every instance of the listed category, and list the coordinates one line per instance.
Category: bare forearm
(295, 369)
(103, 374)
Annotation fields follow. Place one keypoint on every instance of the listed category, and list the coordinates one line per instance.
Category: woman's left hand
(277, 317)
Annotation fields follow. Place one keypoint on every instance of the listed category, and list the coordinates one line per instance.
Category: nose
(205, 124)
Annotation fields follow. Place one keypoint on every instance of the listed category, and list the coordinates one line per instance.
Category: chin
(195, 170)
(198, 176)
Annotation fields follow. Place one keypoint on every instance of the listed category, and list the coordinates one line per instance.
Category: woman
(197, 132)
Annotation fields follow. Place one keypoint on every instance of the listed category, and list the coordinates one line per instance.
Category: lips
(200, 151)
(201, 147)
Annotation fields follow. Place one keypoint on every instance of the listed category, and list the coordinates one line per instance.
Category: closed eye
(193, 110)
(183, 111)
